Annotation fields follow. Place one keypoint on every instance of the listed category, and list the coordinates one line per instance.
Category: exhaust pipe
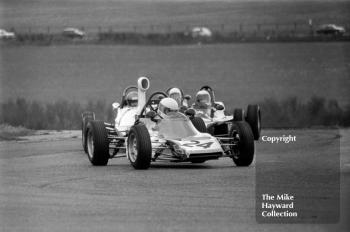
(142, 85)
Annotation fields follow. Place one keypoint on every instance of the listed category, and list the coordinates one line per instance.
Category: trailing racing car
(153, 129)
(178, 95)
(217, 122)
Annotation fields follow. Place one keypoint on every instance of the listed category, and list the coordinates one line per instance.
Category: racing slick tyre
(244, 155)
(87, 116)
(139, 148)
(199, 124)
(254, 120)
(238, 115)
(97, 143)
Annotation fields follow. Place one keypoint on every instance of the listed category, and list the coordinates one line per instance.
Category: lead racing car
(153, 129)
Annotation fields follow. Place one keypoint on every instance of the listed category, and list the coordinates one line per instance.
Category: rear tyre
(254, 120)
(139, 148)
(87, 116)
(244, 155)
(97, 143)
(238, 115)
(199, 124)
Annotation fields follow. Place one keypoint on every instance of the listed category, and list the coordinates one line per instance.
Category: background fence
(179, 33)
(259, 28)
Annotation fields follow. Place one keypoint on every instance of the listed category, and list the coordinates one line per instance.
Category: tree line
(66, 115)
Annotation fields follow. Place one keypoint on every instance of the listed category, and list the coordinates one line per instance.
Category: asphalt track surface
(48, 184)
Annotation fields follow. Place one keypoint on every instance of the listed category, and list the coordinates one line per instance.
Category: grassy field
(8, 132)
(124, 15)
(240, 73)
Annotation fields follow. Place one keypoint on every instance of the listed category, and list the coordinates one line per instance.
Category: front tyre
(86, 117)
(97, 143)
(254, 120)
(139, 148)
(199, 124)
(244, 155)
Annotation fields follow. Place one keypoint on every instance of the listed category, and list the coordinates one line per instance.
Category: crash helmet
(175, 93)
(131, 99)
(166, 106)
(203, 99)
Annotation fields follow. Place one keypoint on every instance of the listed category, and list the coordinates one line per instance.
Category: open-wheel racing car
(217, 122)
(153, 129)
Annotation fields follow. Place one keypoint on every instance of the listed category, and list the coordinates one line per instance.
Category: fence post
(311, 27)
(48, 30)
(311, 30)
(241, 28)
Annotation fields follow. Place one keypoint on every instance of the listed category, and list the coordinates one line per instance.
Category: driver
(131, 99)
(175, 93)
(166, 106)
(203, 100)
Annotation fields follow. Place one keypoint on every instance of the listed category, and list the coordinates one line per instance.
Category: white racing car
(153, 130)
(220, 124)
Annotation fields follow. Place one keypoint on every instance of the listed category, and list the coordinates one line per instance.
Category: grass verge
(8, 132)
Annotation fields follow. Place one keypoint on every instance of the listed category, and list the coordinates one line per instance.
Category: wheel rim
(90, 145)
(132, 148)
(236, 154)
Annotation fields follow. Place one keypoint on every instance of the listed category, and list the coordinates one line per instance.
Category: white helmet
(167, 105)
(175, 93)
(132, 99)
(203, 99)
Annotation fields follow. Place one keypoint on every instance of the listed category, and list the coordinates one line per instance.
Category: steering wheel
(153, 103)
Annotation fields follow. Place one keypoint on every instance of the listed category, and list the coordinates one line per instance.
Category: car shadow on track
(190, 166)
(168, 166)
(174, 165)
(181, 166)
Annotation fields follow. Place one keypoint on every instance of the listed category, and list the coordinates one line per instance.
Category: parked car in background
(330, 29)
(73, 33)
(6, 34)
(201, 32)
